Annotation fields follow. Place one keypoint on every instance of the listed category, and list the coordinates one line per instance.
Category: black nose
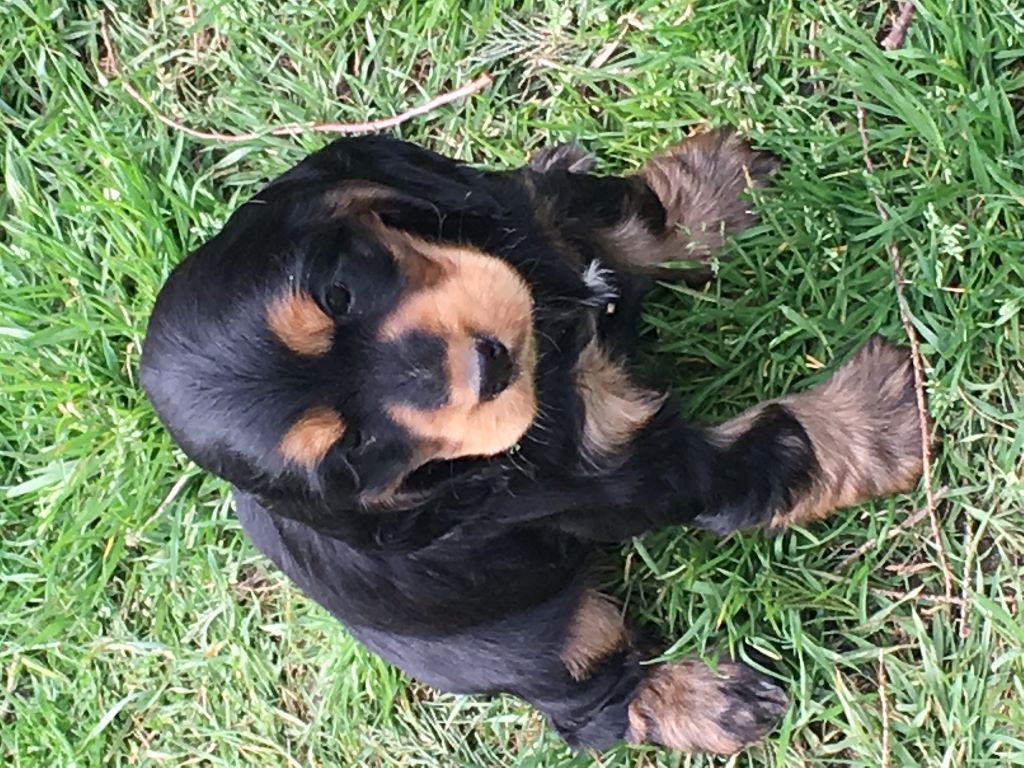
(496, 367)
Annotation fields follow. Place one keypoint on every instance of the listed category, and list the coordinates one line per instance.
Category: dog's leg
(683, 704)
(864, 427)
(688, 706)
(700, 184)
(791, 460)
(678, 208)
(681, 205)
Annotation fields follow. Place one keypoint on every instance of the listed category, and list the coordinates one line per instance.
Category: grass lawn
(138, 627)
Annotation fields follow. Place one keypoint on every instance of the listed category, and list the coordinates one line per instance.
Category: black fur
(470, 582)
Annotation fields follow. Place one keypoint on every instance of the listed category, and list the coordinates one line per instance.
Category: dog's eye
(338, 299)
(352, 439)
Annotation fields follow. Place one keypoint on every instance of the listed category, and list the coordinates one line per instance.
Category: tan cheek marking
(309, 438)
(596, 632)
(614, 408)
(478, 294)
(299, 323)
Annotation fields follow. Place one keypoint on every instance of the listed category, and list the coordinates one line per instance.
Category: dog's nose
(496, 367)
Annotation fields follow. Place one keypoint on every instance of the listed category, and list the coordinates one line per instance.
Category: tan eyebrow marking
(299, 323)
(311, 436)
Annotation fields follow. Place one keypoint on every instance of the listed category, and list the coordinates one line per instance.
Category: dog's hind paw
(687, 706)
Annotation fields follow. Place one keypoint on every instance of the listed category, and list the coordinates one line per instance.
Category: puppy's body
(416, 375)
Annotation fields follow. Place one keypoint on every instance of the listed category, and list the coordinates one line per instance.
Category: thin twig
(896, 35)
(965, 584)
(917, 595)
(909, 522)
(884, 698)
(190, 17)
(908, 327)
(171, 495)
(915, 354)
(627, 21)
(909, 569)
(368, 126)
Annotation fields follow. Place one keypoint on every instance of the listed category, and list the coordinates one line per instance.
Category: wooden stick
(915, 354)
(292, 129)
(908, 522)
(896, 35)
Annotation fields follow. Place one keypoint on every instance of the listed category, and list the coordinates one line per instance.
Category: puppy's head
(310, 350)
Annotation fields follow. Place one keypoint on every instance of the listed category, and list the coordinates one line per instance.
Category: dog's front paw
(687, 706)
(700, 183)
(569, 157)
(865, 427)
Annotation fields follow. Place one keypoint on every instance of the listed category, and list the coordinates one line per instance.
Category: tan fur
(463, 293)
(688, 707)
(634, 243)
(311, 436)
(864, 427)
(614, 408)
(358, 197)
(298, 322)
(423, 264)
(596, 631)
(699, 183)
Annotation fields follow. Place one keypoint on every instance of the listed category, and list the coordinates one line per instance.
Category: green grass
(138, 627)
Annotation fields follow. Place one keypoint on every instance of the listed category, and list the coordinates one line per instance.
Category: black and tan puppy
(416, 376)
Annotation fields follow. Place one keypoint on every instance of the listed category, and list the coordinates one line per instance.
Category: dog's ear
(378, 173)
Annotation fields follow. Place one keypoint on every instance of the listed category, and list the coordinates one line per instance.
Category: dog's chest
(602, 287)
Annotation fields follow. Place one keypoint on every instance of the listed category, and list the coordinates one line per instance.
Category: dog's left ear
(379, 172)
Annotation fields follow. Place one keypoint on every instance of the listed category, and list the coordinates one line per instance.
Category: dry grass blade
(915, 352)
(883, 696)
